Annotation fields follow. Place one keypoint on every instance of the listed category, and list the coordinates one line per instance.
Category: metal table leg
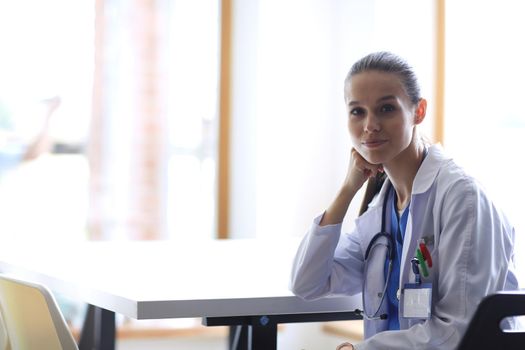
(98, 331)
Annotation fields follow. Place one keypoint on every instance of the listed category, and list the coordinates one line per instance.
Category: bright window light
(485, 127)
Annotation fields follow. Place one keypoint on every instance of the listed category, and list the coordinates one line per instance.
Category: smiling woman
(406, 253)
(375, 101)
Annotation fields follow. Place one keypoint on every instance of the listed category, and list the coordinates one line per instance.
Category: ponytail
(372, 188)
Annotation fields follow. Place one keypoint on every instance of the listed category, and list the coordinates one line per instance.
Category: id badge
(417, 300)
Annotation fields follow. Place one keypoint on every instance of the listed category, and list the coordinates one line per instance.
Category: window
(134, 151)
(157, 138)
(47, 56)
(155, 135)
(191, 60)
(484, 78)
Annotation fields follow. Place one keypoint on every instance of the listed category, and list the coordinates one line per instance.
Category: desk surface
(166, 279)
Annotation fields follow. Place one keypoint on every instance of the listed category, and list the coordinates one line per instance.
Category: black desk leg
(238, 338)
(261, 334)
(98, 332)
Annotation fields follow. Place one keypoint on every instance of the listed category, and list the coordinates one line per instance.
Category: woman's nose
(372, 123)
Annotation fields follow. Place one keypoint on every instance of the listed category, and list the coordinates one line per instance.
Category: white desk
(224, 282)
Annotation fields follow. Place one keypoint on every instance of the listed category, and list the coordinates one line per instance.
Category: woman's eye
(387, 108)
(357, 111)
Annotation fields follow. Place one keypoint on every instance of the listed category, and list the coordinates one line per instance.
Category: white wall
(297, 116)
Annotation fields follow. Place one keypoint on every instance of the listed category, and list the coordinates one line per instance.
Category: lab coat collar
(425, 175)
(429, 169)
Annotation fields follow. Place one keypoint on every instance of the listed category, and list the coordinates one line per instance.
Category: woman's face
(381, 117)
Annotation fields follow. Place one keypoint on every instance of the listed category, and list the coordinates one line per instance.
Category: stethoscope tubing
(390, 244)
(390, 256)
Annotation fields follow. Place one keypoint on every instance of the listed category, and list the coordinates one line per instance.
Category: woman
(430, 243)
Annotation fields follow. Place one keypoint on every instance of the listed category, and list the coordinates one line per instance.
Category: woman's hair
(389, 63)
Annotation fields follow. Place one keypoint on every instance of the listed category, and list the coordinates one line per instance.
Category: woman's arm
(316, 271)
(359, 171)
(327, 263)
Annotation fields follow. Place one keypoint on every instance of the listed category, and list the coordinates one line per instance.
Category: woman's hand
(359, 171)
(345, 346)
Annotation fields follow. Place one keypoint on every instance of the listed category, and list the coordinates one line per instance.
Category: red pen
(426, 253)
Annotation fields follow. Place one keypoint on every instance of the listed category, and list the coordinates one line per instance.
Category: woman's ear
(421, 111)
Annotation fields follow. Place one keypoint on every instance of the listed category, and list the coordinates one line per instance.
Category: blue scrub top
(397, 228)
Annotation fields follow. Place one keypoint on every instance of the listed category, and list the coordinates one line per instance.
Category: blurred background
(210, 119)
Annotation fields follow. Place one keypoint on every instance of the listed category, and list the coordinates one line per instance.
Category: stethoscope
(374, 243)
(391, 250)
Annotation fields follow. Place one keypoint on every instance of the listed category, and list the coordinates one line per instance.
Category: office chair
(32, 318)
(484, 330)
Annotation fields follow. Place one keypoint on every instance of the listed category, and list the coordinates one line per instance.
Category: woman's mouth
(373, 143)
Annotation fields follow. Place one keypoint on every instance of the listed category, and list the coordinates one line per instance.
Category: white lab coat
(472, 254)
